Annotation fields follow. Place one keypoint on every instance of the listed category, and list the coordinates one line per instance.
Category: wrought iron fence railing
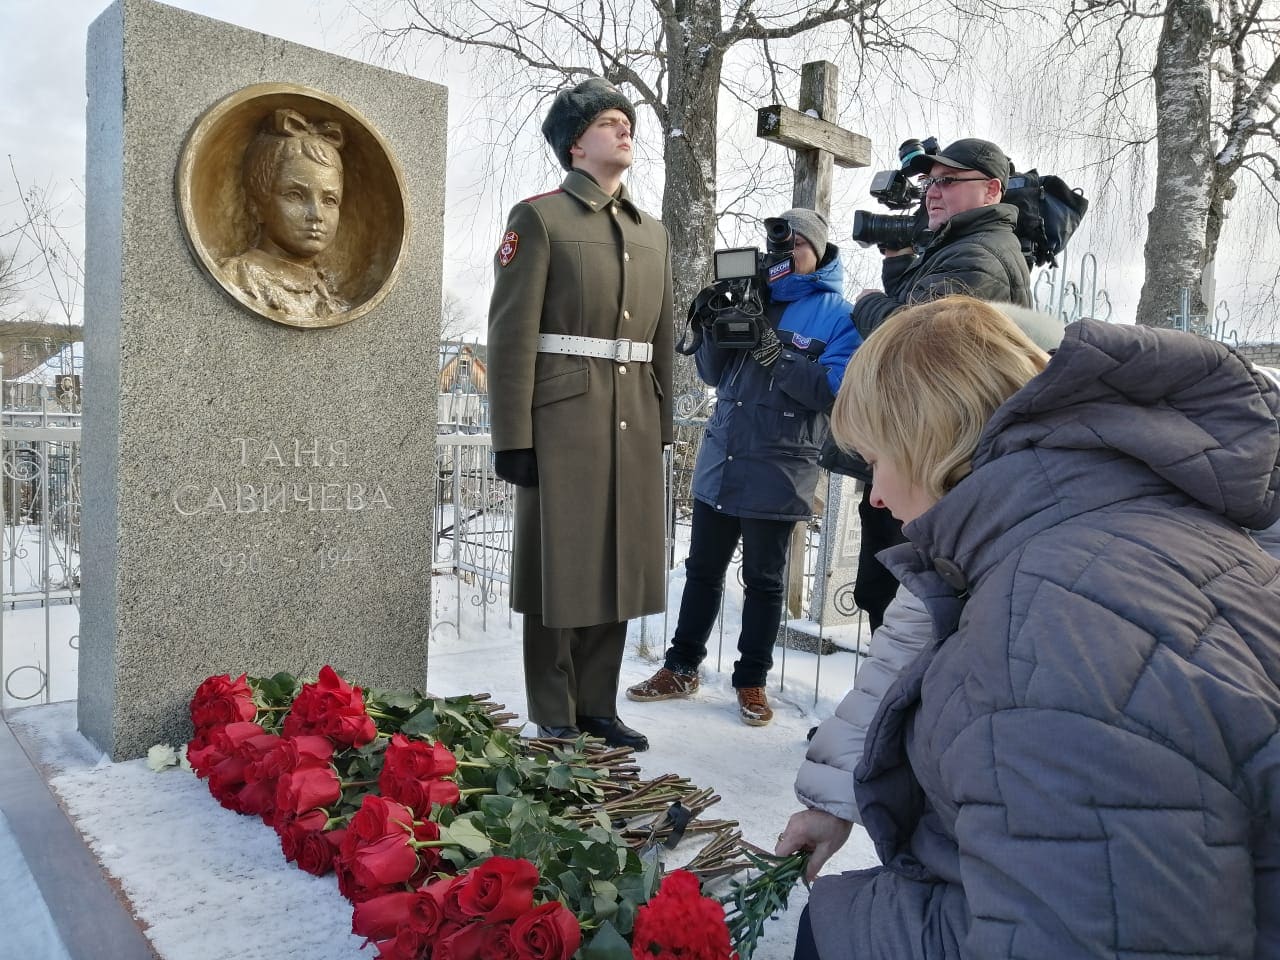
(40, 556)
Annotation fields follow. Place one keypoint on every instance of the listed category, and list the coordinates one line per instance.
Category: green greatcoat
(589, 539)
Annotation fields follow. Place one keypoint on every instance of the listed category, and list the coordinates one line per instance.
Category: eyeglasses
(944, 182)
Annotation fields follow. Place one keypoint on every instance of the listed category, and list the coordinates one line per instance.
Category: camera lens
(884, 230)
(910, 150)
(778, 235)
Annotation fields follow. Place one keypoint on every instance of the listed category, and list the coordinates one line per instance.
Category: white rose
(160, 756)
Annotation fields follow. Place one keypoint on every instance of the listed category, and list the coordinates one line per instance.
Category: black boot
(614, 732)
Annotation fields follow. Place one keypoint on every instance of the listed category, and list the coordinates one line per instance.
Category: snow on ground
(200, 877)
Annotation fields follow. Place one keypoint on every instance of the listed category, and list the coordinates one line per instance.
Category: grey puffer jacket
(1087, 764)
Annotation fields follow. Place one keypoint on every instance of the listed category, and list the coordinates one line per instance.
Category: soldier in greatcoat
(580, 356)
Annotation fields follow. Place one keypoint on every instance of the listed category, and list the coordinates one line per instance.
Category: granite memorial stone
(263, 251)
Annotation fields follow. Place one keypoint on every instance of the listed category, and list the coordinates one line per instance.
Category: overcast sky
(42, 128)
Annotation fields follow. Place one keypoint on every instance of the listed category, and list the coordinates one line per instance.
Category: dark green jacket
(589, 542)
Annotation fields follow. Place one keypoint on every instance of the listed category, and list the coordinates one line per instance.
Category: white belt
(619, 351)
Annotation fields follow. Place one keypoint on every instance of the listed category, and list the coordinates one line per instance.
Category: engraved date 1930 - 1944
(253, 560)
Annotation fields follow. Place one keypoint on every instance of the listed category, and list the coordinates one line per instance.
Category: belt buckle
(622, 350)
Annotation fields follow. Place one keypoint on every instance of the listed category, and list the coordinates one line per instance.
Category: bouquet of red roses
(452, 837)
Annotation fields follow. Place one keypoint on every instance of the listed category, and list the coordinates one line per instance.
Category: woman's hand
(821, 833)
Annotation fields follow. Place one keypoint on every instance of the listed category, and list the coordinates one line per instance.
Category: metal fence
(474, 530)
(40, 536)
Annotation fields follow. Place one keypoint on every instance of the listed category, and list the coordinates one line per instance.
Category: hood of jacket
(828, 278)
(1120, 413)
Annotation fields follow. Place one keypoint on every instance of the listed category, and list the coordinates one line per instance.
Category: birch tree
(1210, 76)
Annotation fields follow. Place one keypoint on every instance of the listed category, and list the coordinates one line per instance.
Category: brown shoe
(664, 685)
(753, 706)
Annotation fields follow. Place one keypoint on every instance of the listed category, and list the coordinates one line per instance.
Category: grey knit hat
(573, 110)
(811, 225)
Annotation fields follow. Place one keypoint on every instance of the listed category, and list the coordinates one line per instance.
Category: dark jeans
(875, 585)
(764, 557)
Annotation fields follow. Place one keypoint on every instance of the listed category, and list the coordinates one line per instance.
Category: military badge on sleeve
(507, 252)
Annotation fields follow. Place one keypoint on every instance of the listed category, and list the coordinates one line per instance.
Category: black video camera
(731, 310)
(895, 189)
(1048, 210)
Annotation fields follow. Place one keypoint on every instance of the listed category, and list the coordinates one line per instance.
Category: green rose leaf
(560, 777)
(607, 944)
(467, 835)
(508, 782)
(421, 724)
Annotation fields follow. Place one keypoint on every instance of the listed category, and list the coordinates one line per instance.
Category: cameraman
(973, 250)
(757, 467)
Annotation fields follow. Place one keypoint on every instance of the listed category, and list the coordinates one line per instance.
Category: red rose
(474, 941)
(225, 762)
(384, 863)
(412, 772)
(304, 841)
(451, 898)
(380, 918)
(406, 945)
(221, 700)
(501, 888)
(419, 759)
(547, 932)
(679, 921)
(258, 795)
(307, 788)
(330, 708)
(377, 816)
(498, 946)
(218, 745)
(428, 914)
(291, 753)
(419, 794)
(378, 849)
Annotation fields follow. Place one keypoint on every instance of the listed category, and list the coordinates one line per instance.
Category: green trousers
(571, 672)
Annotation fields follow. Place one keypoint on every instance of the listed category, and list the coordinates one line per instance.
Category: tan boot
(664, 685)
(753, 706)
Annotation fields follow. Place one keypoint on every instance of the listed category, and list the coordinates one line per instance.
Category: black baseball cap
(973, 154)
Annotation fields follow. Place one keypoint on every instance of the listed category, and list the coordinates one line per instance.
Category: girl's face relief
(300, 217)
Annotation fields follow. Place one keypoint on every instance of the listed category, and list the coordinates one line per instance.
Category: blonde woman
(1086, 761)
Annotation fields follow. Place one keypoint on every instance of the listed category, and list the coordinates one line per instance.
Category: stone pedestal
(256, 496)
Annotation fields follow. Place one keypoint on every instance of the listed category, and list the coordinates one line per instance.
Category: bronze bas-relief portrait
(293, 204)
(293, 183)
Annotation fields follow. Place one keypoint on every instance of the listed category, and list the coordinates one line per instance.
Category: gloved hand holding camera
(767, 350)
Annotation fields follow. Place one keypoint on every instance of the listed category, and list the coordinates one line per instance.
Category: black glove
(517, 466)
(767, 350)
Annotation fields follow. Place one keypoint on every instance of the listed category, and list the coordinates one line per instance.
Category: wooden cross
(818, 143)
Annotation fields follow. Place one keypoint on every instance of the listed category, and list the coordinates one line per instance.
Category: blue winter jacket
(759, 458)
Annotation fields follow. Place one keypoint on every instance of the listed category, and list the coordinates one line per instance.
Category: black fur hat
(573, 110)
